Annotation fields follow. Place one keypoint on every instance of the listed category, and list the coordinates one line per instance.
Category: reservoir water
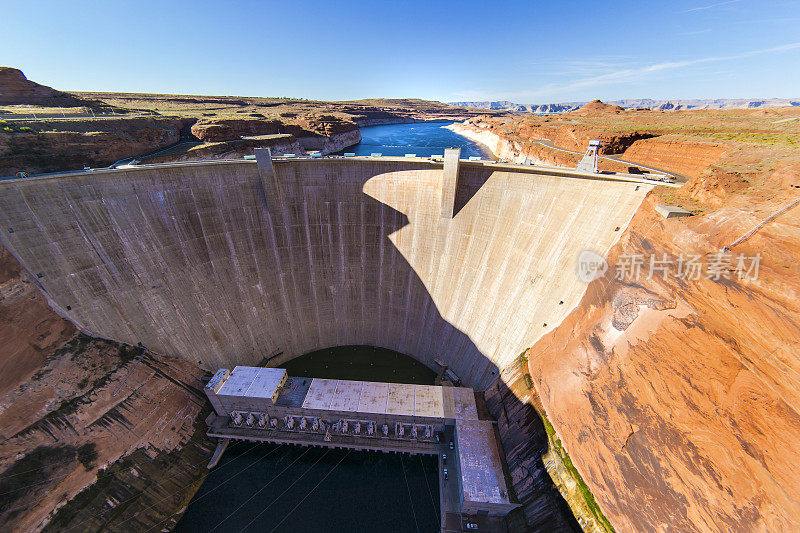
(268, 487)
(421, 138)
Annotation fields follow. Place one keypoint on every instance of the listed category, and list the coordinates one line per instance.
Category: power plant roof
(482, 478)
(375, 397)
(341, 395)
(253, 382)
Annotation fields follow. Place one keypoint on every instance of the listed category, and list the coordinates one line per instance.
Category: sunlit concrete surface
(222, 265)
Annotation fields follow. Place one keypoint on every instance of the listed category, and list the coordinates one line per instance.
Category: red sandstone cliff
(16, 89)
(48, 146)
(678, 399)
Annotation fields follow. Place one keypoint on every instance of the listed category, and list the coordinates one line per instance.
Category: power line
(91, 517)
(312, 490)
(285, 491)
(62, 476)
(197, 499)
(425, 477)
(47, 480)
(408, 488)
(258, 491)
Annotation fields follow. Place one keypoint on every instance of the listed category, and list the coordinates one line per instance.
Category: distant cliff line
(643, 103)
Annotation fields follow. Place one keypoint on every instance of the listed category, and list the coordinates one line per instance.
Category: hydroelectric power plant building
(265, 404)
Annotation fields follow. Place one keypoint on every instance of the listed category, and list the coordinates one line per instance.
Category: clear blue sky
(525, 51)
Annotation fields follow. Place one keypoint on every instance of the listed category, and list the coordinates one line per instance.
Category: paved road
(678, 177)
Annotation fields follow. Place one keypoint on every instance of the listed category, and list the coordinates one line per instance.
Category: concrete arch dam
(226, 262)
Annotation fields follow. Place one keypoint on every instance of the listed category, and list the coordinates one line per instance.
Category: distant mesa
(16, 89)
(598, 107)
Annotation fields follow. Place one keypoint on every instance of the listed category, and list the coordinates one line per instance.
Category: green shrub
(528, 381)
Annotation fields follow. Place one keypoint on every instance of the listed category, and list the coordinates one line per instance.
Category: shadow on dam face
(216, 264)
(222, 264)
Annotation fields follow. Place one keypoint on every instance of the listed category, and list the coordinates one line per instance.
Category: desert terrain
(676, 400)
(45, 130)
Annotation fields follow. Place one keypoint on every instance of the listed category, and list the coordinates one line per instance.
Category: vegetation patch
(587, 495)
(528, 380)
(10, 127)
(87, 455)
(126, 352)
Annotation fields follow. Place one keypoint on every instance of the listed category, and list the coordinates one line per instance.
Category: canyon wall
(535, 152)
(49, 146)
(678, 155)
(677, 398)
(210, 263)
(77, 446)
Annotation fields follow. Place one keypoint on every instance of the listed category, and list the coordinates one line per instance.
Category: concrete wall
(210, 263)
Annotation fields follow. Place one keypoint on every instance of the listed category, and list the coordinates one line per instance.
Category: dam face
(222, 264)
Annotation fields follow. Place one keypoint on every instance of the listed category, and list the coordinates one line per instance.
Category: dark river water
(423, 139)
(268, 487)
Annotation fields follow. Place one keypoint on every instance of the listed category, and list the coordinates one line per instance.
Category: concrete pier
(222, 445)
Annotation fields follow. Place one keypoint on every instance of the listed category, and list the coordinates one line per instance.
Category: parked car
(445, 474)
(444, 458)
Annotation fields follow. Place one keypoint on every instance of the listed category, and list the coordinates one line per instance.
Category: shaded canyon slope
(72, 452)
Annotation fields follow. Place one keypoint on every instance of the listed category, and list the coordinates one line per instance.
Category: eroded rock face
(301, 125)
(679, 400)
(16, 89)
(48, 146)
(67, 420)
(524, 441)
(216, 130)
(678, 155)
(29, 330)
